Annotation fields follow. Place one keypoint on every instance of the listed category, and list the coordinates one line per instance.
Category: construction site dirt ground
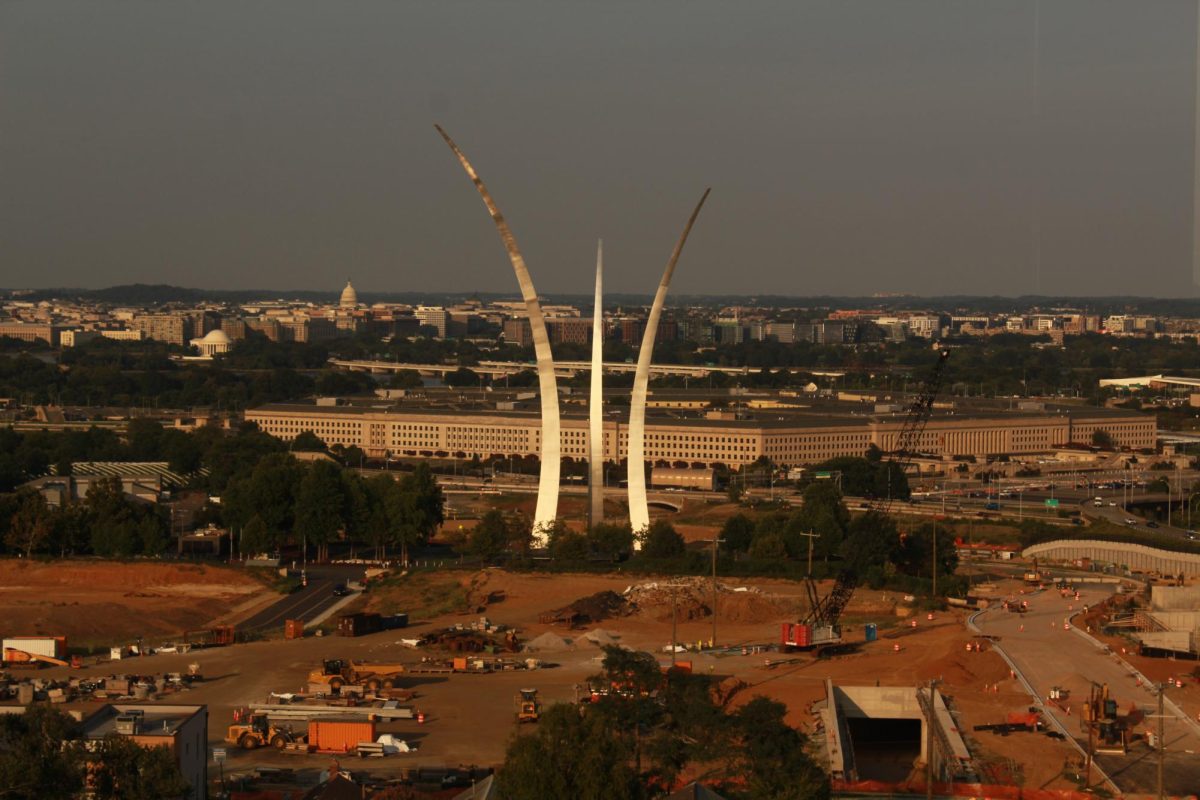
(98, 603)
(470, 718)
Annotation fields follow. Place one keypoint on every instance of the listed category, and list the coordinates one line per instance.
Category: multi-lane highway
(305, 603)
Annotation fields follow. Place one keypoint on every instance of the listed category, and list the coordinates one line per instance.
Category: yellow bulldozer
(258, 731)
(529, 708)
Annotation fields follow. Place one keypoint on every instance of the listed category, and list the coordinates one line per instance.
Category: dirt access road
(1047, 654)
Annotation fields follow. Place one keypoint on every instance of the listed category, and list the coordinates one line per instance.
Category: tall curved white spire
(639, 509)
(596, 404)
(551, 446)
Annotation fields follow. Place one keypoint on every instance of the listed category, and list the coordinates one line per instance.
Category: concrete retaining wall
(1133, 556)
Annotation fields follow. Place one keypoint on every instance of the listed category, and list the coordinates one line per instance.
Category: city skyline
(1002, 149)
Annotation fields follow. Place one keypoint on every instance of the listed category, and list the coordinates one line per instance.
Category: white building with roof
(214, 342)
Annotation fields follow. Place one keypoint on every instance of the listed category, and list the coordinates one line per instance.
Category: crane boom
(825, 612)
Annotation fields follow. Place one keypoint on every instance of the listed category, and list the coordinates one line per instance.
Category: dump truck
(336, 673)
(258, 731)
(529, 708)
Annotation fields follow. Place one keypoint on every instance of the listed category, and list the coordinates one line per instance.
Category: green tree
(571, 754)
(771, 755)
(768, 547)
(256, 537)
(125, 770)
(738, 533)
(488, 538)
(564, 544)
(824, 513)
(423, 509)
(872, 544)
(319, 506)
(308, 442)
(31, 524)
(915, 556)
(661, 540)
(34, 764)
(610, 539)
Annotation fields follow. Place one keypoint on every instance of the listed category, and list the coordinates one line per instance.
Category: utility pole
(933, 566)
(810, 536)
(1162, 745)
(929, 745)
(674, 620)
(716, 541)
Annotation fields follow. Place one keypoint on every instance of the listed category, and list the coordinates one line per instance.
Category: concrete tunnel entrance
(885, 749)
(882, 733)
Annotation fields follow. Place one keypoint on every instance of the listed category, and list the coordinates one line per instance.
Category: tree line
(645, 729)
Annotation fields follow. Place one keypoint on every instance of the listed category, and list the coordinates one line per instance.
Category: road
(1047, 655)
(306, 603)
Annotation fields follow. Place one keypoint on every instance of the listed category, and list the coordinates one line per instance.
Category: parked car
(340, 590)
(1151, 524)
(1130, 521)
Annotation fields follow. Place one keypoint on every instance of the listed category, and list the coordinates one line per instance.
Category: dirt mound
(593, 608)
(691, 598)
(601, 637)
(548, 642)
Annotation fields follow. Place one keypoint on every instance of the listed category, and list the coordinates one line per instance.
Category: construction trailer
(34, 651)
(340, 736)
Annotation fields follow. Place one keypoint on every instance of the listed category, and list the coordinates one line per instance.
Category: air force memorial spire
(596, 401)
(551, 446)
(551, 456)
(639, 508)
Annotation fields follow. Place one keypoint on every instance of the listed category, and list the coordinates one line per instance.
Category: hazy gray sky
(852, 147)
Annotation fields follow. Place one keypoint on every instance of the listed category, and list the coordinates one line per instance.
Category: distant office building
(119, 335)
(31, 332)
(783, 332)
(569, 330)
(1118, 323)
(74, 338)
(926, 326)
(234, 328)
(518, 332)
(433, 317)
(170, 328)
(267, 326)
(306, 329)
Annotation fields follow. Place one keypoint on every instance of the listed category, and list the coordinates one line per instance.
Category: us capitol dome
(349, 297)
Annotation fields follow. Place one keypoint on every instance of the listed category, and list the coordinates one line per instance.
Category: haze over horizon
(853, 147)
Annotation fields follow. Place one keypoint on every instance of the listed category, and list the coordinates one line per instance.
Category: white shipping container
(38, 645)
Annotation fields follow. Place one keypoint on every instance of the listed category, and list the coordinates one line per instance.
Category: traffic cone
(420, 717)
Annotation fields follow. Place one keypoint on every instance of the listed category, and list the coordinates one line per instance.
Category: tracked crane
(820, 627)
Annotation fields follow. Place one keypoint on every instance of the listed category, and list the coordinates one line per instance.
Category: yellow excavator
(529, 708)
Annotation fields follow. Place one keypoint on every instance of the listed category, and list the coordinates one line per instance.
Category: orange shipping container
(459, 664)
(293, 629)
(339, 737)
